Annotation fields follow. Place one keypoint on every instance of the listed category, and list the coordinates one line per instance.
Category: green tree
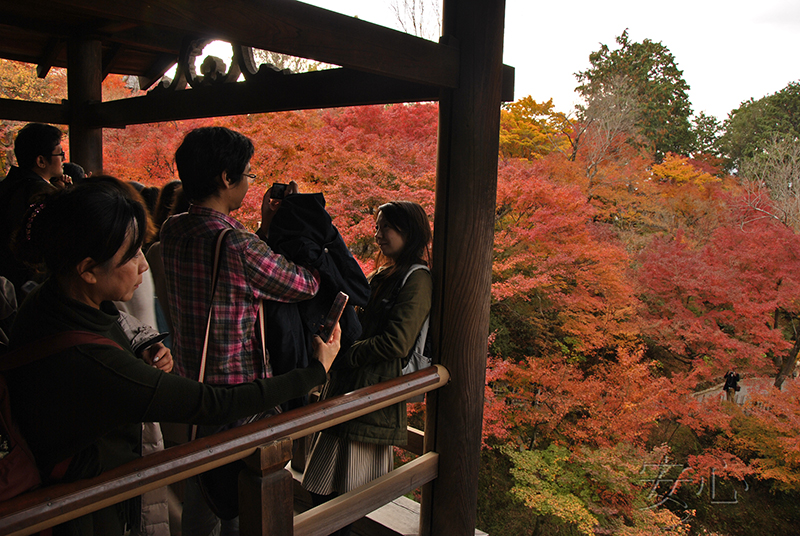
(590, 491)
(650, 69)
(758, 123)
(707, 130)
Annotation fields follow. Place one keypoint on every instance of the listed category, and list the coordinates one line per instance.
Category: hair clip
(39, 207)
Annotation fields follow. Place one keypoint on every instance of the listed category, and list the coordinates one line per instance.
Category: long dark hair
(167, 200)
(129, 190)
(89, 220)
(410, 220)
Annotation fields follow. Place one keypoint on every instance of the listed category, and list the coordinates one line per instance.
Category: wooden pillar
(84, 85)
(266, 497)
(466, 186)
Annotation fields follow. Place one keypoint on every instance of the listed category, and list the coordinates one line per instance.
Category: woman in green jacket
(81, 409)
(358, 451)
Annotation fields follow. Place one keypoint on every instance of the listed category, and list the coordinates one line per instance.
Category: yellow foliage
(531, 130)
(678, 170)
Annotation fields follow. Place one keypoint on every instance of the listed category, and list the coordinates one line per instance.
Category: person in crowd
(214, 169)
(8, 309)
(171, 201)
(81, 408)
(150, 197)
(75, 172)
(731, 385)
(167, 203)
(355, 452)
(138, 319)
(142, 304)
(62, 181)
(40, 156)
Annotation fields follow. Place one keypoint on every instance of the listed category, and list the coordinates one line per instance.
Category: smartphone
(326, 329)
(278, 190)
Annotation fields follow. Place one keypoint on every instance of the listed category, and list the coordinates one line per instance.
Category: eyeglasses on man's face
(250, 176)
(62, 154)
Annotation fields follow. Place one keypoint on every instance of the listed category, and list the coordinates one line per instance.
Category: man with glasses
(214, 168)
(40, 160)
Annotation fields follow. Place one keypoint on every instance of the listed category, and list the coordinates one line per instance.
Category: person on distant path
(731, 385)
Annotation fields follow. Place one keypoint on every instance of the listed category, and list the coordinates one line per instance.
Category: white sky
(729, 50)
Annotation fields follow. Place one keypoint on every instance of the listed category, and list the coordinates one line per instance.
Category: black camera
(278, 190)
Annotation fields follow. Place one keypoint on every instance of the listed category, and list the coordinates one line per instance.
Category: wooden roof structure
(464, 72)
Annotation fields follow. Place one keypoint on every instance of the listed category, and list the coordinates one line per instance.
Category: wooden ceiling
(146, 37)
(140, 37)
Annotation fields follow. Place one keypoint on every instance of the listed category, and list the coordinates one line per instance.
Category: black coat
(302, 231)
(17, 191)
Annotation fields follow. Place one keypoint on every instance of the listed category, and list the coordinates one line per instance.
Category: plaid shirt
(249, 271)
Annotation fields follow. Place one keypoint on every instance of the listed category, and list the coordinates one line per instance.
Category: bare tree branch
(422, 18)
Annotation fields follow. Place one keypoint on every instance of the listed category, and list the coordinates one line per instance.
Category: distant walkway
(748, 385)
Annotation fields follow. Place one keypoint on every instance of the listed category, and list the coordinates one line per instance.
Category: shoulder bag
(220, 486)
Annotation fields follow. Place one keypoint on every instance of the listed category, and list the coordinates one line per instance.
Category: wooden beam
(145, 38)
(84, 86)
(49, 56)
(265, 491)
(289, 27)
(354, 505)
(509, 75)
(157, 70)
(320, 89)
(108, 59)
(466, 187)
(39, 112)
(416, 441)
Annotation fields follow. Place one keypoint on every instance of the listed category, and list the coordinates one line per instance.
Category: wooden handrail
(46, 507)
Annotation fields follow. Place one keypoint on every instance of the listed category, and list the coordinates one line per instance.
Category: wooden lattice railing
(265, 489)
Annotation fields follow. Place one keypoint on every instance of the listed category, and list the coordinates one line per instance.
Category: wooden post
(466, 186)
(266, 497)
(84, 86)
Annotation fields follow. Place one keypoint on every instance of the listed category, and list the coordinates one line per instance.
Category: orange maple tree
(620, 286)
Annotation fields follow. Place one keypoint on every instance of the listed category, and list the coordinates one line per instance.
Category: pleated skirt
(336, 465)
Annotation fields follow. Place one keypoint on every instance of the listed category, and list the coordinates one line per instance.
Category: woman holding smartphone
(81, 408)
(355, 452)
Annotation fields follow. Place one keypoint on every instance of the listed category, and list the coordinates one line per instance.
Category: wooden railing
(264, 489)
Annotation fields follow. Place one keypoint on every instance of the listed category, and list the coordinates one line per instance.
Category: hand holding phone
(278, 190)
(326, 352)
(332, 318)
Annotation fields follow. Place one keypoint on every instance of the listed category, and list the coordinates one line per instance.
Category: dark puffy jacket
(302, 231)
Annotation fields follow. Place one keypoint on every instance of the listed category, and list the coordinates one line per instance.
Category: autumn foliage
(622, 289)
